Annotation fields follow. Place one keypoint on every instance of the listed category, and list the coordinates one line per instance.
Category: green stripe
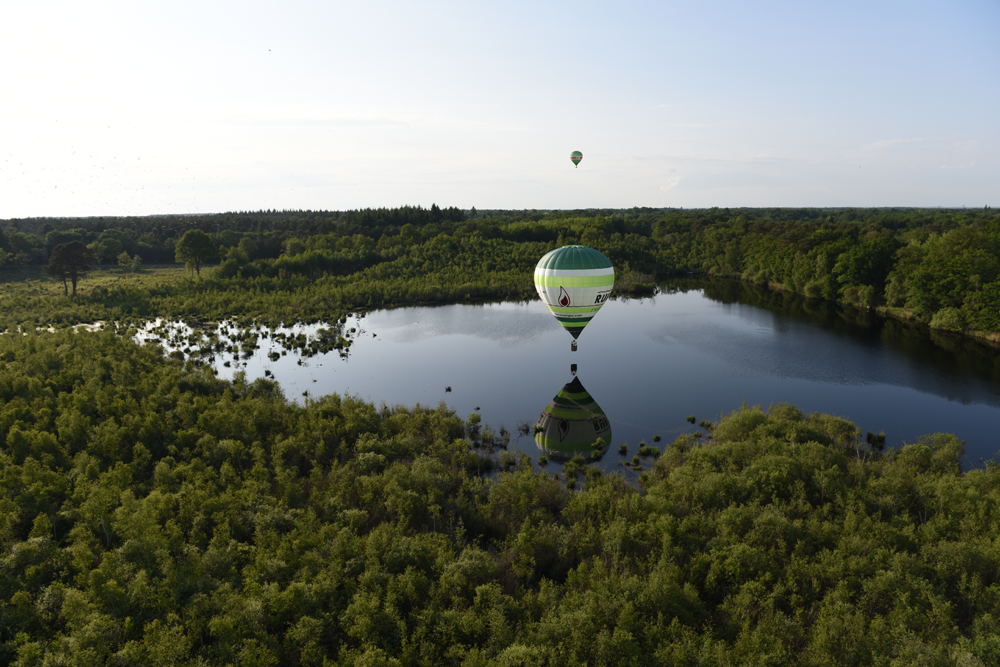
(572, 407)
(569, 415)
(575, 321)
(567, 401)
(574, 257)
(564, 446)
(576, 396)
(570, 282)
(560, 310)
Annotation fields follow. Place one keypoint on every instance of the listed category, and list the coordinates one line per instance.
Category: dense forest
(153, 514)
(938, 267)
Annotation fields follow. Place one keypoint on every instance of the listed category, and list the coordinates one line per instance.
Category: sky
(139, 108)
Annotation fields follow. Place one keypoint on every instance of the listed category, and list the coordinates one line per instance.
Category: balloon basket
(572, 346)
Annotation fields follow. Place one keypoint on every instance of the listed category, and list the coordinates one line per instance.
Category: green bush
(948, 319)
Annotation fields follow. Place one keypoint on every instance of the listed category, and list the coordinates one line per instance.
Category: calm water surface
(697, 348)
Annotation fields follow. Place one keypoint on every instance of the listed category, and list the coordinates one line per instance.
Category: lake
(699, 347)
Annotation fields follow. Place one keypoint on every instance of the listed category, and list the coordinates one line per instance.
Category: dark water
(698, 348)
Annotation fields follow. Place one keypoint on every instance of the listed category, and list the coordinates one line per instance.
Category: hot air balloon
(574, 282)
(571, 423)
(576, 156)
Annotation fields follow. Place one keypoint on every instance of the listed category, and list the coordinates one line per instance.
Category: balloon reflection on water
(572, 424)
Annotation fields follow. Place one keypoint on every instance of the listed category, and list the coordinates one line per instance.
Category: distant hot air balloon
(574, 282)
(576, 156)
(571, 423)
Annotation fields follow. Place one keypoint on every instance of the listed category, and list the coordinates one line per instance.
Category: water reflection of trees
(948, 354)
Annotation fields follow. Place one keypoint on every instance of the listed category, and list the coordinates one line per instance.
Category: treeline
(153, 514)
(940, 267)
(31, 240)
(153, 238)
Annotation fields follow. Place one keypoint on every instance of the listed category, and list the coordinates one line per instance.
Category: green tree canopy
(106, 250)
(69, 262)
(194, 249)
(124, 260)
(152, 513)
(868, 263)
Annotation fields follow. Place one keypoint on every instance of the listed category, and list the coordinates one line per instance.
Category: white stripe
(609, 271)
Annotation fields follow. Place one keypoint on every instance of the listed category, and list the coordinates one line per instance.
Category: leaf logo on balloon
(563, 429)
(563, 297)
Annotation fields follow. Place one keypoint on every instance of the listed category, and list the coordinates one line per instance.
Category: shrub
(948, 319)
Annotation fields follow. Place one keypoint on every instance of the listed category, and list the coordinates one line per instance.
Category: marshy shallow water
(697, 348)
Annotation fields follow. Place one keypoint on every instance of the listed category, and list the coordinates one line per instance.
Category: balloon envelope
(576, 156)
(574, 282)
(571, 423)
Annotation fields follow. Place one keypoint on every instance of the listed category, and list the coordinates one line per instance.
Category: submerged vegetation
(151, 513)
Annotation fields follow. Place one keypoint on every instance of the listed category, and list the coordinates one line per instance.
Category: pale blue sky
(128, 108)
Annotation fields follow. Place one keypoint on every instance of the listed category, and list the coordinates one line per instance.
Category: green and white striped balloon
(574, 282)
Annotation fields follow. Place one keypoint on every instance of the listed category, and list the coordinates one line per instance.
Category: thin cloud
(764, 158)
(971, 144)
(670, 184)
(357, 121)
(349, 122)
(887, 143)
